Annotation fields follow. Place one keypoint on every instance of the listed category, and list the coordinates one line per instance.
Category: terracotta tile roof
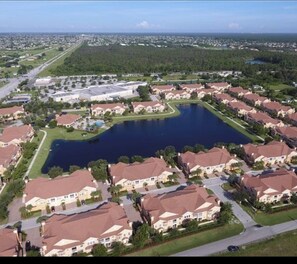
(209, 90)
(279, 180)
(192, 86)
(15, 132)
(240, 105)
(293, 117)
(146, 104)
(62, 185)
(176, 92)
(213, 157)
(67, 119)
(134, 171)
(218, 84)
(179, 202)
(7, 154)
(223, 96)
(238, 90)
(255, 97)
(276, 106)
(81, 226)
(8, 242)
(289, 132)
(11, 110)
(263, 118)
(163, 87)
(272, 149)
(107, 106)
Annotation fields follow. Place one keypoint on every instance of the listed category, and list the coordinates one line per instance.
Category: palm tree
(115, 189)
(173, 177)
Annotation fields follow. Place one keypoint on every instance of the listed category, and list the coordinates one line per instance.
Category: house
(277, 109)
(238, 91)
(223, 98)
(170, 210)
(177, 95)
(221, 86)
(101, 109)
(288, 134)
(292, 119)
(264, 120)
(16, 135)
(43, 192)
(274, 152)
(202, 92)
(10, 243)
(8, 157)
(67, 120)
(240, 108)
(149, 107)
(11, 113)
(255, 99)
(194, 87)
(214, 160)
(270, 187)
(136, 175)
(157, 89)
(66, 235)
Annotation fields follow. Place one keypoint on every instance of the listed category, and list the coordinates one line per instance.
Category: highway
(14, 82)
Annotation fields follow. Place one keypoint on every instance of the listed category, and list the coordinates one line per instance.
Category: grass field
(279, 87)
(2, 83)
(281, 245)
(46, 71)
(191, 241)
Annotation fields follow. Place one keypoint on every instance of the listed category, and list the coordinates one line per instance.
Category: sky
(149, 16)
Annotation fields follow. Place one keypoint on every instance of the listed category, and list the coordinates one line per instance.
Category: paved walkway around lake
(35, 156)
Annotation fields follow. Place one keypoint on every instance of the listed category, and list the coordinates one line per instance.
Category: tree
(137, 158)
(73, 168)
(294, 198)
(70, 129)
(115, 189)
(142, 236)
(55, 171)
(197, 172)
(118, 248)
(188, 148)
(124, 159)
(173, 177)
(52, 123)
(225, 213)
(198, 148)
(135, 196)
(99, 173)
(99, 250)
(194, 95)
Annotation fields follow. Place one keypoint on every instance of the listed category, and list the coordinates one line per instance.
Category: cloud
(234, 26)
(146, 25)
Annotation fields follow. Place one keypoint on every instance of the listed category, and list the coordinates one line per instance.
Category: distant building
(263, 119)
(171, 210)
(66, 235)
(223, 98)
(238, 91)
(67, 120)
(255, 99)
(221, 86)
(101, 109)
(11, 113)
(157, 89)
(16, 135)
(194, 87)
(65, 96)
(149, 107)
(288, 134)
(44, 82)
(277, 109)
(8, 157)
(240, 108)
(177, 95)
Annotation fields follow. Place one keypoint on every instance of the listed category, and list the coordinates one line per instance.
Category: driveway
(13, 208)
(215, 186)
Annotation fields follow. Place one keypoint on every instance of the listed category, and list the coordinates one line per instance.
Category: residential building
(101, 109)
(240, 108)
(277, 109)
(10, 243)
(11, 113)
(223, 98)
(214, 160)
(288, 134)
(8, 157)
(263, 119)
(194, 87)
(221, 86)
(238, 91)
(255, 99)
(170, 210)
(157, 89)
(149, 107)
(274, 152)
(292, 119)
(67, 120)
(270, 187)
(202, 92)
(42, 192)
(177, 95)
(66, 235)
(136, 175)
(16, 135)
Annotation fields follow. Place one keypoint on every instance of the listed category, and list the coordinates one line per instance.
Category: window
(152, 179)
(136, 182)
(107, 239)
(66, 196)
(71, 195)
(187, 216)
(174, 221)
(53, 199)
(73, 249)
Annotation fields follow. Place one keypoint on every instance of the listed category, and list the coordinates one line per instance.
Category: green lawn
(179, 77)
(142, 78)
(52, 134)
(279, 87)
(2, 83)
(60, 61)
(281, 245)
(191, 241)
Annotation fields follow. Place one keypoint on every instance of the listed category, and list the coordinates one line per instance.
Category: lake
(253, 61)
(194, 125)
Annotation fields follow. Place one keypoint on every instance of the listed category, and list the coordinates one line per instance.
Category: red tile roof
(8, 242)
(67, 119)
(263, 118)
(293, 117)
(240, 105)
(11, 110)
(45, 188)
(107, 106)
(289, 132)
(179, 202)
(279, 180)
(276, 106)
(223, 96)
(15, 132)
(238, 90)
(134, 171)
(81, 226)
(146, 104)
(218, 84)
(163, 87)
(255, 97)
(7, 154)
(192, 86)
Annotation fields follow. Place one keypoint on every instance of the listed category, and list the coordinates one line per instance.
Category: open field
(281, 245)
(191, 241)
(279, 87)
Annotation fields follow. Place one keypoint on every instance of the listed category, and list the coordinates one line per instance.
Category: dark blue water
(255, 62)
(194, 125)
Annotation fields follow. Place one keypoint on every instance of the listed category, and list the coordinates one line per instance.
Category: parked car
(232, 248)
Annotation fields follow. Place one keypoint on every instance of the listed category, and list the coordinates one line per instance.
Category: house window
(152, 179)
(136, 182)
(275, 196)
(53, 199)
(73, 249)
(107, 239)
(174, 221)
(66, 196)
(71, 195)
